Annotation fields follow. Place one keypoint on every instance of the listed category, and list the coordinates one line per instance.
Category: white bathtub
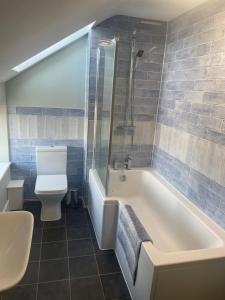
(187, 257)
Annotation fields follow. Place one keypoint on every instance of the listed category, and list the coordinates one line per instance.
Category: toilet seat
(51, 184)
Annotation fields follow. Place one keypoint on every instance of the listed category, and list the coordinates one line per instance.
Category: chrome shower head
(105, 43)
(140, 53)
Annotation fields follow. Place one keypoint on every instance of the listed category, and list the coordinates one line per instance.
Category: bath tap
(117, 164)
(123, 178)
(127, 163)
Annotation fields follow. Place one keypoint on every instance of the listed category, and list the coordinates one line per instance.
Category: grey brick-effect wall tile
(195, 68)
(193, 100)
(204, 192)
(24, 164)
(150, 38)
(22, 150)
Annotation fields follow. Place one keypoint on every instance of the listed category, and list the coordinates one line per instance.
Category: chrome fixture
(127, 162)
(135, 55)
(106, 43)
(117, 164)
(128, 126)
(123, 178)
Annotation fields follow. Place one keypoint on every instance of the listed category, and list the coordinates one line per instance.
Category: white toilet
(51, 183)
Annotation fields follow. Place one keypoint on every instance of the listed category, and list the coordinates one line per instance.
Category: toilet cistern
(51, 183)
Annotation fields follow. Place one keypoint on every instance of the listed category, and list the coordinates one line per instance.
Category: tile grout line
(103, 293)
(64, 279)
(68, 264)
(94, 253)
(39, 263)
(64, 257)
(58, 241)
(106, 274)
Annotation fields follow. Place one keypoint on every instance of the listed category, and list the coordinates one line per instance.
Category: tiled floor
(66, 263)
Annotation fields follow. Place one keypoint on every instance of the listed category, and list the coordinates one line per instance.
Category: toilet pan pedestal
(51, 207)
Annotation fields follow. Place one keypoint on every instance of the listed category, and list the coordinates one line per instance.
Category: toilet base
(51, 212)
(51, 207)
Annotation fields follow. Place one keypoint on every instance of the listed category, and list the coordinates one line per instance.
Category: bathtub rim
(201, 215)
(178, 258)
(161, 258)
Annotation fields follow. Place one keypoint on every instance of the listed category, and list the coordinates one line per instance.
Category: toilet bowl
(51, 183)
(50, 190)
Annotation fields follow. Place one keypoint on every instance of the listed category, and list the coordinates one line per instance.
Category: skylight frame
(54, 48)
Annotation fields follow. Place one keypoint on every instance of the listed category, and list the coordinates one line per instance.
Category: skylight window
(54, 48)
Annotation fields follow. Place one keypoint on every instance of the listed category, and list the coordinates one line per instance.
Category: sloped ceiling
(30, 26)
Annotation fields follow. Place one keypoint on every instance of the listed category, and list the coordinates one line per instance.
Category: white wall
(4, 148)
(30, 26)
(57, 81)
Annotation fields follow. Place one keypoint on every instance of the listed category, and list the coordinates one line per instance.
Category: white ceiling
(29, 26)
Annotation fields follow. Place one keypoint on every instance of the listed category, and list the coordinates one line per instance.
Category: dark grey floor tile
(107, 263)
(32, 206)
(37, 235)
(24, 292)
(58, 290)
(114, 286)
(83, 266)
(88, 215)
(97, 250)
(89, 219)
(126, 298)
(54, 224)
(54, 274)
(76, 208)
(92, 230)
(35, 252)
(63, 206)
(54, 250)
(76, 220)
(37, 222)
(31, 275)
(86, 289)
(54, 234)
(80, 247)
(78, 232)
(53, 270)
(79, 210)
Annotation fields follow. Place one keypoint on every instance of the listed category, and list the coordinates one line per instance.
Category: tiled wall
(38, 126)
(190, 137)
(150, 38)
(189, 146)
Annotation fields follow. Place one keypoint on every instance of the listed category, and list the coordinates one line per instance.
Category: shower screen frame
(115, 41)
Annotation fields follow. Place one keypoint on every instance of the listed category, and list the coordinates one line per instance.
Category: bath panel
(187, 256)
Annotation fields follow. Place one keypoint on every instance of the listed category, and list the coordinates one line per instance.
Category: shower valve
(127, 163)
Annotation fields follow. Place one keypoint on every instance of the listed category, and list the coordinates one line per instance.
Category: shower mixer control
(117, 164)
(123, 178)
(127, 163)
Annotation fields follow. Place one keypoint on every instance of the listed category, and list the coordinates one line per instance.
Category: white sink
(16, 229)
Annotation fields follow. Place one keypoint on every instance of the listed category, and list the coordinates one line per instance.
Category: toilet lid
(51, 184)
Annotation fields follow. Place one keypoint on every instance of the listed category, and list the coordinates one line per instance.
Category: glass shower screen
(106, 56)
